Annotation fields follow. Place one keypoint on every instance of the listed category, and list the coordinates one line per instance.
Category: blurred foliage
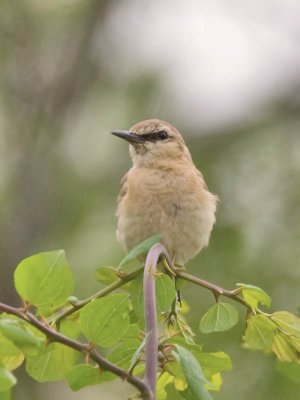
(60, 172)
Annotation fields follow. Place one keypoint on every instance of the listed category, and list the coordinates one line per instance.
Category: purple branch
(150, 315)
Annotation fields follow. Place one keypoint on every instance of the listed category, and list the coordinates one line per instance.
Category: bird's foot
(180, 268)
(168, 267)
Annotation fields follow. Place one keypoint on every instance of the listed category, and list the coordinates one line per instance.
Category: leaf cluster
(96, 340)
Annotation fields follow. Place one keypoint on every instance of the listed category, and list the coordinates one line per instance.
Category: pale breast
(176, 205)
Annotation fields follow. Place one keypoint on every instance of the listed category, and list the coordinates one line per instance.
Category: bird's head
(154, 141)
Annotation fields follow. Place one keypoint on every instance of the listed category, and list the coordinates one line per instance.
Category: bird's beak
(129, 136)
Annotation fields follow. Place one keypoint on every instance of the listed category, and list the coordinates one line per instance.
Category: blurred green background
(226, 74)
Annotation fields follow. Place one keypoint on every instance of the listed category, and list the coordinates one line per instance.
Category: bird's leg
(168, 267)
(180, 268)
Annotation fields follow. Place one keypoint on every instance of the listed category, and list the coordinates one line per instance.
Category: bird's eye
(162, 135)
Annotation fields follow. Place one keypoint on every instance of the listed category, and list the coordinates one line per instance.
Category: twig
(215, 289)
(103, 292)
(84, 348)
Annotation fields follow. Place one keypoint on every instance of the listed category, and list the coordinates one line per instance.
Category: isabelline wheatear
(163, 193)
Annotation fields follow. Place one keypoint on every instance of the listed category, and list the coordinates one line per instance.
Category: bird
(163, 193)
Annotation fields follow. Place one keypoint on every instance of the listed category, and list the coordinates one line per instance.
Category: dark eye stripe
(152, 137)
(149, 137)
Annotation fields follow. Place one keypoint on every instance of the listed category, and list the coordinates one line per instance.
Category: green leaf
(6, 394)
(133, 332)
(215, 382)
(137, 355)
(164, 294)
(185, 329)
(106, 275)
(181, 341)
(82, 375)
(106, 320)
(290, 370)
(287, 322)
(140, 249)
(121, 356)
(44, 280)
(294, 342)
(7, 379)
(16, 332)
(11, 357)
(283, 350)
(137, 296)
(70, 328)
(195, 378)
(180, 283)
(255, 295)
(53, 365)
(220, 317)
(213, 363)
(163, 381)
(174, 368)
(259, 334)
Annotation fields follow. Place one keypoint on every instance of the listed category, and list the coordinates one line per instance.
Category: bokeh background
(227, 74)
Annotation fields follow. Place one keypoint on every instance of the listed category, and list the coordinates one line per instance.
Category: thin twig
(103, 292)
(215, 289)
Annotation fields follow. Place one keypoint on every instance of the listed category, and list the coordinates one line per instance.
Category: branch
(103, 363)
(150, 315)
(178, 272)
(215, 289)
